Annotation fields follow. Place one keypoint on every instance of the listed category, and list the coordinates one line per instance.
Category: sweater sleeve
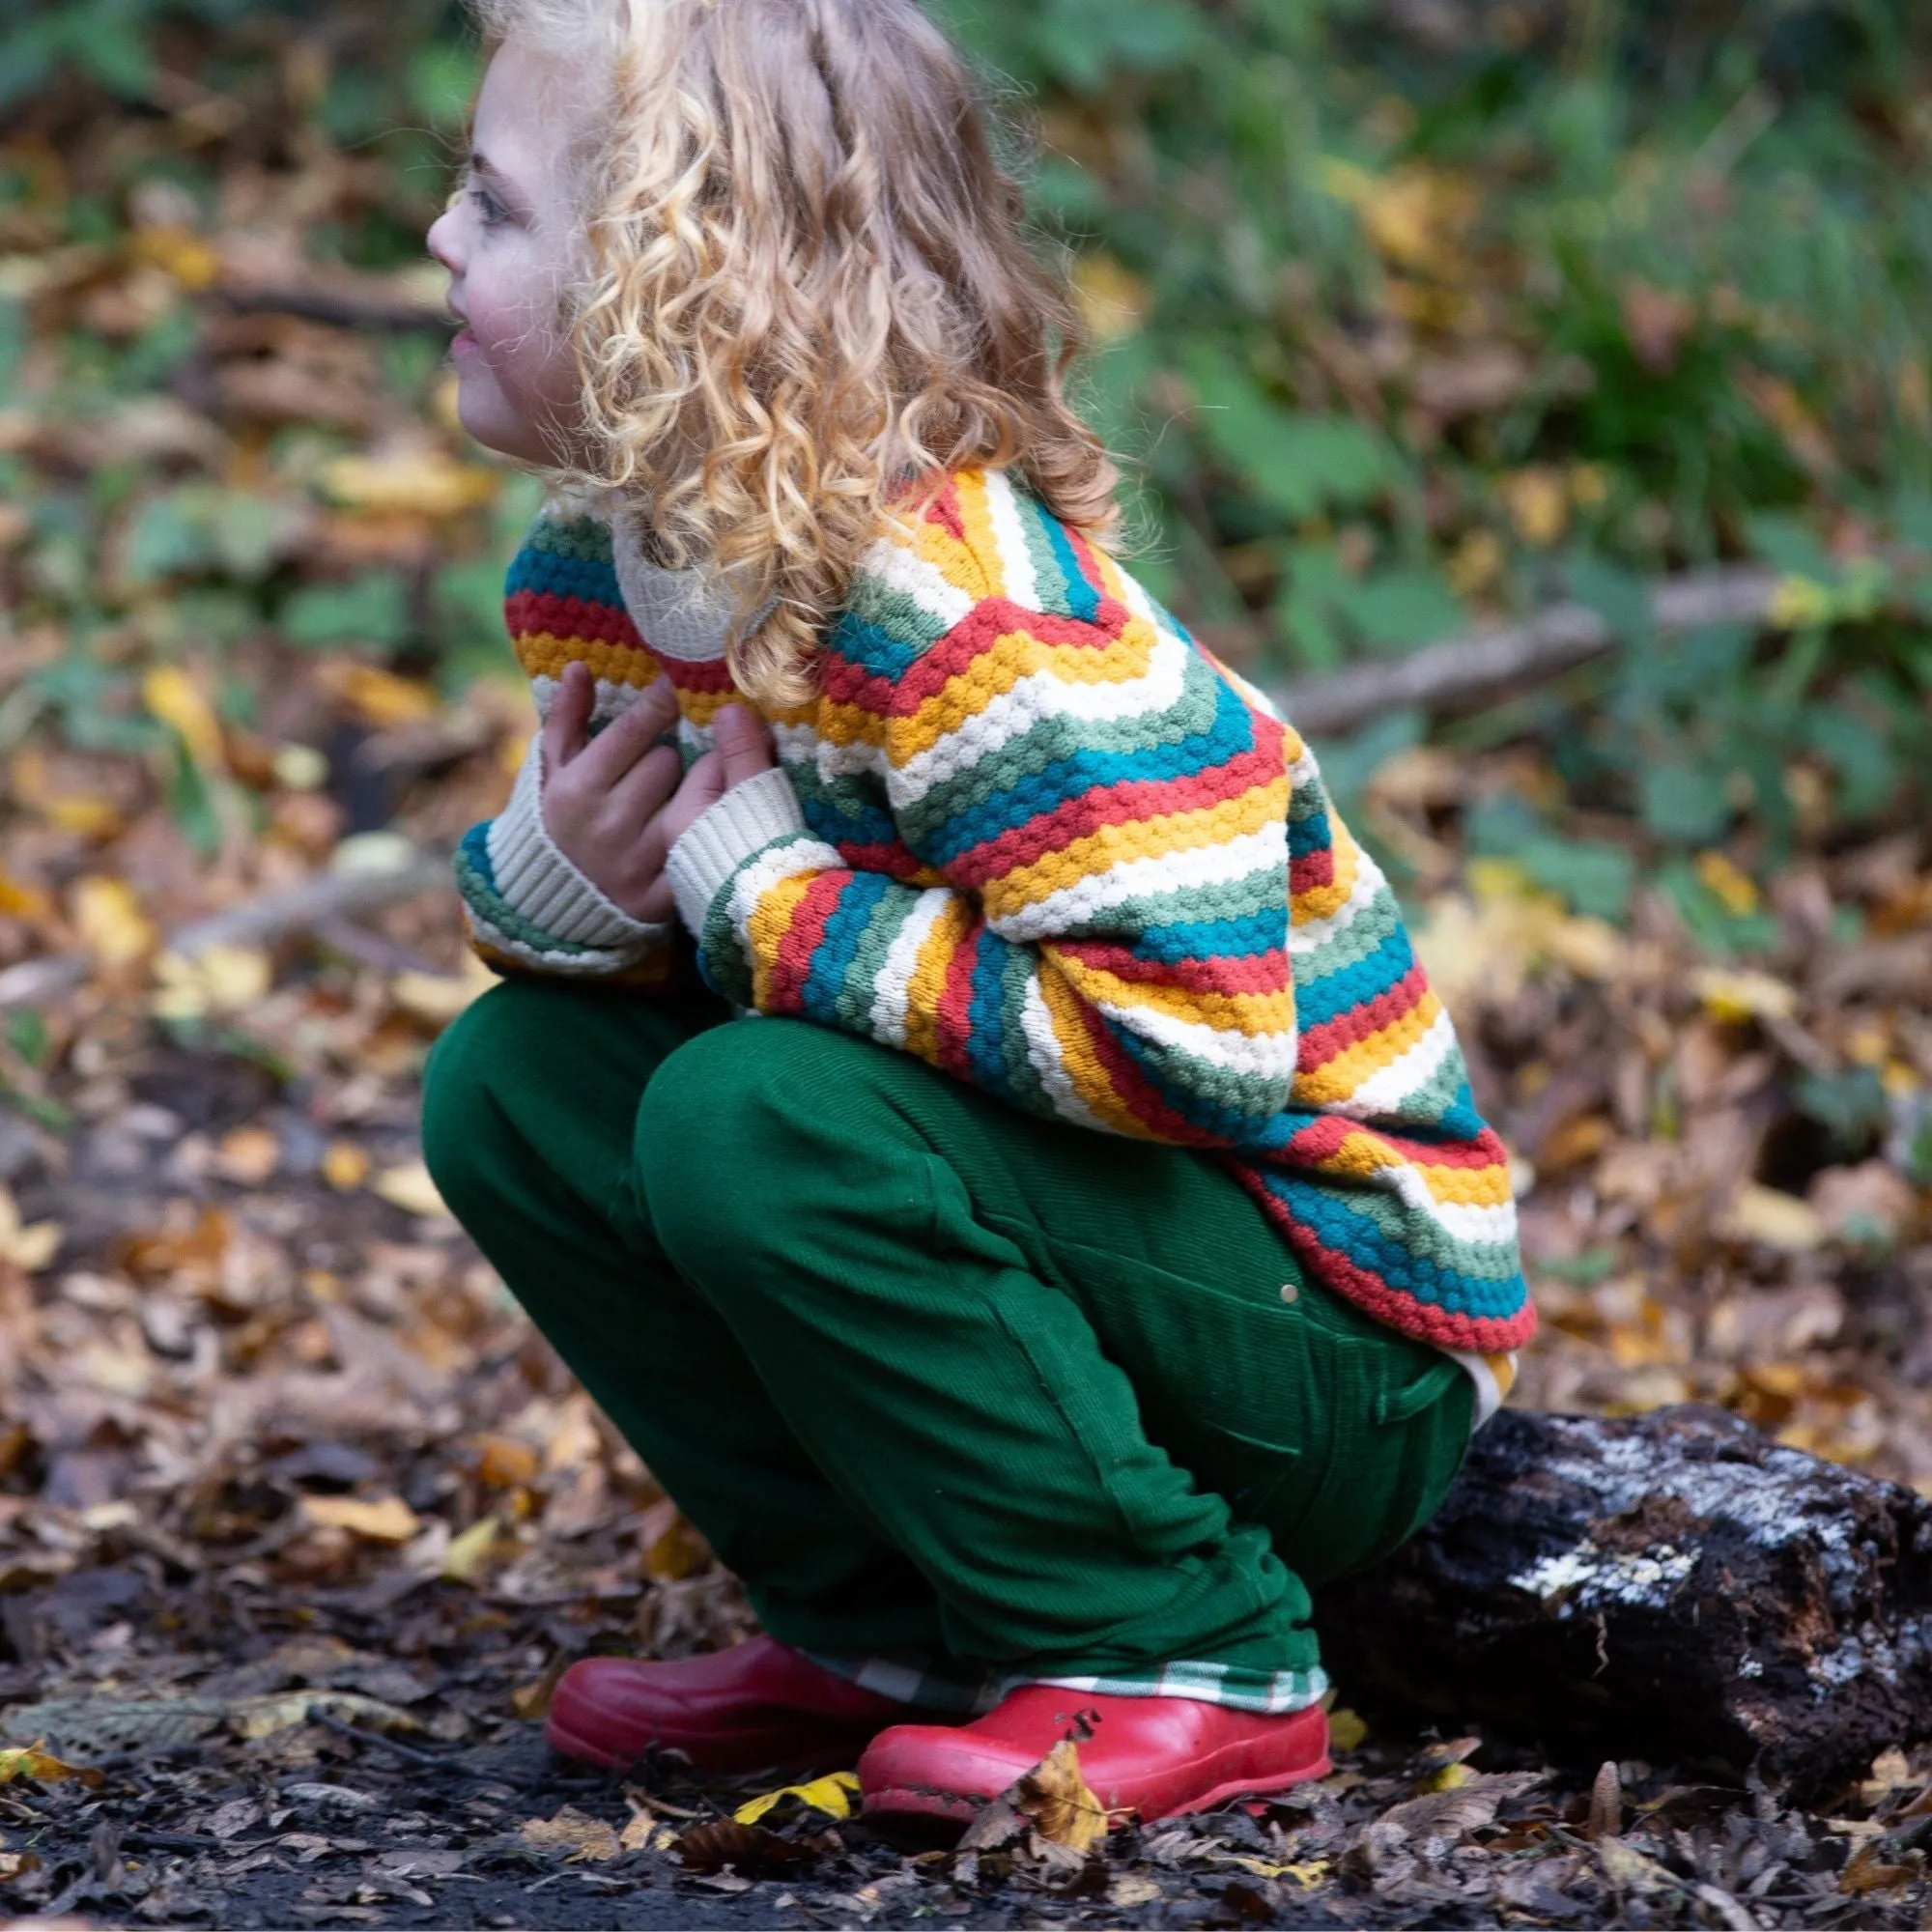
(530, 910)
(1097, 924)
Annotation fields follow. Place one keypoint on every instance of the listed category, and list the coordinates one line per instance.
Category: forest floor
(299, 1521)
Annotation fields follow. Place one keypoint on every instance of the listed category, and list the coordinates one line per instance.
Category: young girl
(958, 1097)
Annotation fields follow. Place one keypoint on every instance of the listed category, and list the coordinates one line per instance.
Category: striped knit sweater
(1033, 833)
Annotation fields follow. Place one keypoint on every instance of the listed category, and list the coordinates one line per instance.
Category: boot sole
(933, 1806)
(840, 1756)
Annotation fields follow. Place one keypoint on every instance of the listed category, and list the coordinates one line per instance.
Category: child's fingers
(566, 728)
(629, 735)
(643, 792)
(744, 743)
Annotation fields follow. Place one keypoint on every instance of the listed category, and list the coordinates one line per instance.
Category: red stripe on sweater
(896, 861)
(1132, 802)
(793, 965)
(1309, 870)
(1321, 1044)
(1324, 1137)
(990, 620)
(954, 1022)
(1252, 973)
(1133, 1089)
(533, 612)
(703, 676)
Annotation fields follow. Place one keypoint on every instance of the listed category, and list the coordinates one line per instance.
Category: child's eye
(491, 211)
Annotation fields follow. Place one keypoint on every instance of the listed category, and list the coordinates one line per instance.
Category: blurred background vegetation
(1413, 315)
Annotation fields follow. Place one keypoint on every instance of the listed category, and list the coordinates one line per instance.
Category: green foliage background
(1414, 313)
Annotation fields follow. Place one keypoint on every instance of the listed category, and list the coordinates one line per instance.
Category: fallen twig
(260, 921)
(1505, 658)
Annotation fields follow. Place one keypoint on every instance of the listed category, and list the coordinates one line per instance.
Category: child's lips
(463, 343)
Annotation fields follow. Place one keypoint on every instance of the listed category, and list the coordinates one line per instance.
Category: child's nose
(442, 240)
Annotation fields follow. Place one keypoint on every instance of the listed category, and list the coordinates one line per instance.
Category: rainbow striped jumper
(1033, 833)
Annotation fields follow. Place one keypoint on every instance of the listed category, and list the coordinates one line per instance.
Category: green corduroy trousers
(931, 1375)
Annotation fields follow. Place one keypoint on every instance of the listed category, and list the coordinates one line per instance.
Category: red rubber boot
(757, 1706)
(1157, 1756)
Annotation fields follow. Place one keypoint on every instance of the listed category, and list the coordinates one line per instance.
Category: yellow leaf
(378, 697)
(249, 1155)
(417, 482)
(1777, 1220)
(410, 1188)
(300, 767)
(1743, 995)
(1477, 564)
(110, 922)
(1537, 501)
(1346, 1729)
(179, 252)
(283, 1710)
(1113, 300)
(20, 900)
(84, 814)
(1054, 1794)
(176, 700)
(1734, 890)
(1417, 217)
(469, 1552)
(578, 1838)
(638, 1833)
(29, 1246)
(31, 1761)
(218, 979)
(1800, 602)
(384, 1520)
(1447, 1777)
(833, 1795)
(345, 1166)
(441, 996)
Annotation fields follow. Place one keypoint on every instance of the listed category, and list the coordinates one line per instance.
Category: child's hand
(603, 796)
(743, 749)
(614, 804)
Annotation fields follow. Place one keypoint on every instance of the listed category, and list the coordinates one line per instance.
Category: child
(959, 1098)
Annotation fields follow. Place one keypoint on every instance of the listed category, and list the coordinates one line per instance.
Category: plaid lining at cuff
(929, 1685)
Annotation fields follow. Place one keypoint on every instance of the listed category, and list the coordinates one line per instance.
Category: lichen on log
(1672, 1586)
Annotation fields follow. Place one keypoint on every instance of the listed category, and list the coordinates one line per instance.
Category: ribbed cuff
(534, 876)
(744, 820)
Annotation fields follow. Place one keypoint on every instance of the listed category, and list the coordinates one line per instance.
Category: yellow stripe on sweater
(928, 977)
(765, 930)
(1325, 901)
(1081, 1064)
(544, 654)
(1363, 1154)
(1155, 838)
(1251, 1014)
(1338, 1079)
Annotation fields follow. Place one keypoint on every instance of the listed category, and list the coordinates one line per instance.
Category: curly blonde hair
(805, 286)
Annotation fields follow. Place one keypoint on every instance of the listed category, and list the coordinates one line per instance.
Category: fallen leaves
(30, 1761)
(1053, 1798)
(571, 1836)
(833, 1795)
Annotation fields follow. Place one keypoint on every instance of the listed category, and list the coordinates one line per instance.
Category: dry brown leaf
(580, 1839)
(1053, 1798)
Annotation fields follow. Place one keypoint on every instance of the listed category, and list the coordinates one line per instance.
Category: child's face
(506, 242)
